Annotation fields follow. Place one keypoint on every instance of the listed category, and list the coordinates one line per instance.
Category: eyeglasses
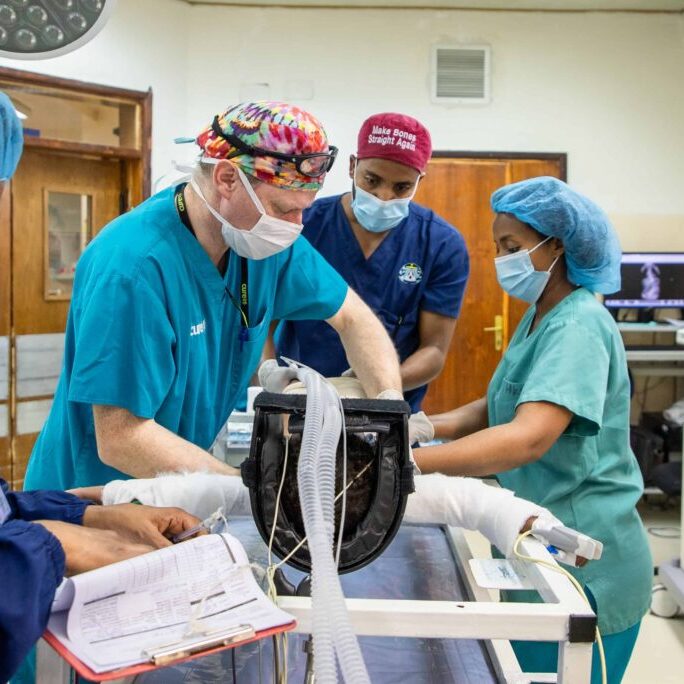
(312, 165)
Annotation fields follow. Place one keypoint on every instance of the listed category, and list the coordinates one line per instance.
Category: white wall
(605, 88)
(608, 88)
(143, 45)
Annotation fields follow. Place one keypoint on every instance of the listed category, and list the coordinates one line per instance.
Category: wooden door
(59, 203)
(459, 188)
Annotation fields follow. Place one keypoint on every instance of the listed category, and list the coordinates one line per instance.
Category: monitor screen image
(650, 280)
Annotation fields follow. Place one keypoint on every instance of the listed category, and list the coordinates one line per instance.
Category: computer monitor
(650, 280)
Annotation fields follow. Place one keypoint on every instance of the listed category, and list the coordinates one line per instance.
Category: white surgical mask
(378, 215)
(267, 237)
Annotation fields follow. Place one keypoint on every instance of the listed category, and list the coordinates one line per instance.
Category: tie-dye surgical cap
(269, 126)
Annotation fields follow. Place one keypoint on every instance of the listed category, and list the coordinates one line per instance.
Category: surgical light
(39, 29)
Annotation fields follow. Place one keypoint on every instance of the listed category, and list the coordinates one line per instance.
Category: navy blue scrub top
(422, 265)
(31, 567)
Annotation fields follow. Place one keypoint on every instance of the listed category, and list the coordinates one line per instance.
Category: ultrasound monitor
(650, 280)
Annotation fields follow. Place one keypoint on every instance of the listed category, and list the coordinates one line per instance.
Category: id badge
(5, 510)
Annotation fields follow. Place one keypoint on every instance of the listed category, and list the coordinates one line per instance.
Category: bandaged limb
(197, 493)
(438, 499)
(469, 503)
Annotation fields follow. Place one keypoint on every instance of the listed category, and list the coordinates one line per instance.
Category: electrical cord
(665, 531)
(279, 644)
(576, 584)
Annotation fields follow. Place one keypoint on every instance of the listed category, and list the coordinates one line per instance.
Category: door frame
(560, 157)
(140, 97)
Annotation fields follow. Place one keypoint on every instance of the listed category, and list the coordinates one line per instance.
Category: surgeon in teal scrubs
(172, 304)
(554, 426)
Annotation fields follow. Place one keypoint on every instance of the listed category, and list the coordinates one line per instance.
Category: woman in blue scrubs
(554, 426)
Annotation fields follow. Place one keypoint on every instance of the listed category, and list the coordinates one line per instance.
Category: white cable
(576, 584)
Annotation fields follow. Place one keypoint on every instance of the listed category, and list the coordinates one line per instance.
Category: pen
(186, 534)
(207, 525)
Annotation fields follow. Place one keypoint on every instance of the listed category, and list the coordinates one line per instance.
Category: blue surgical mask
(517, 276)
(377, 215)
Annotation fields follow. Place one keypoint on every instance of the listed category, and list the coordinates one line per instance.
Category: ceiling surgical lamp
(41, 29)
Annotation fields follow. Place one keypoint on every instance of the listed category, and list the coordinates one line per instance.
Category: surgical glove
(197, 493)
(469, 503)
(349, 373)
(392, 394)
(275, 378)
(420, 428)
(416, 469)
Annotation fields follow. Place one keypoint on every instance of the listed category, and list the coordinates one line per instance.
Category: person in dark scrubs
(45, 535)
(408, 264)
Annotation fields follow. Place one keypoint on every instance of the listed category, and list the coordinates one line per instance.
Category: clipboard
(170, 658)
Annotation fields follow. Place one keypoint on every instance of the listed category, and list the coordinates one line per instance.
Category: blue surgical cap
(592, 248)
(12, 141)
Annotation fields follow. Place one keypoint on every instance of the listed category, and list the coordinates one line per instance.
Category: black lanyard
(243, 304)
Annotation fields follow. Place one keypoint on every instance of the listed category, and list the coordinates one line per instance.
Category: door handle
(497, 329)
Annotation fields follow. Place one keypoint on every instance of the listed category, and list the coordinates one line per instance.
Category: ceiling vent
(460, 74)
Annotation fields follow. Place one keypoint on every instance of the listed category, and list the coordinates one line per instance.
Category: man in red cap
(408, 264)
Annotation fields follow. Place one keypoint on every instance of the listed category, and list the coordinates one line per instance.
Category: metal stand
(564, 617)
(307, 647)
(286, 588)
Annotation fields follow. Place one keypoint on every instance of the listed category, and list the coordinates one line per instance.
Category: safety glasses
(312, 165)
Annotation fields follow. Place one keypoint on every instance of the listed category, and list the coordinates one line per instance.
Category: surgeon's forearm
(462, 421)
(423, 365)
(143, 448)
(369, 350)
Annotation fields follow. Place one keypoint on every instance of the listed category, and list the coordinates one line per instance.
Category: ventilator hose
(316, 480)
(315, 527)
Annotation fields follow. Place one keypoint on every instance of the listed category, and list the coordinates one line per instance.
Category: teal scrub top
(589, 478)
(152, 329)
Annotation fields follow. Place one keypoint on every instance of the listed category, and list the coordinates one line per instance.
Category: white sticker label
(500, 573)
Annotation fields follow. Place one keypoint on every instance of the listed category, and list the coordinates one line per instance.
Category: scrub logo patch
(198, 328)
(410, 273)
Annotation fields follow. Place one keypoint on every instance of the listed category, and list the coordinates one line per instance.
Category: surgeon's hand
(139, 524)
(392, 394)
(87, 549)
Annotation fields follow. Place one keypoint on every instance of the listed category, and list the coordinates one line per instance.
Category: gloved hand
(420, 428)
(349, 373)
(392, 394)
(275, 378)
